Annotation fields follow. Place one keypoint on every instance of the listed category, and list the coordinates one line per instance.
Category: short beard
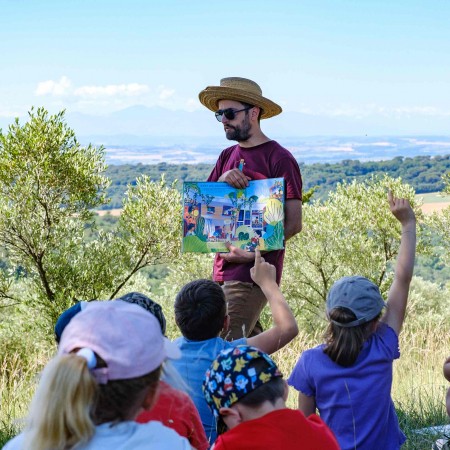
(238, 133)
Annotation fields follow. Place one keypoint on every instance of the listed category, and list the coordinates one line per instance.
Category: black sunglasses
(229, 113)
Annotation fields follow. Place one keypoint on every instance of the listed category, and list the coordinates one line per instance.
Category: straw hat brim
(211, 96)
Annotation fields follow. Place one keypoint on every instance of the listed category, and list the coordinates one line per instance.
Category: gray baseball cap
(359, 295)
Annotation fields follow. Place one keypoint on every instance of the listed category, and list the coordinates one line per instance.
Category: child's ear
(231, 417)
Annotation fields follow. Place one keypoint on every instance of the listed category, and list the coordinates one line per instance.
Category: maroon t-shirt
(268, 160)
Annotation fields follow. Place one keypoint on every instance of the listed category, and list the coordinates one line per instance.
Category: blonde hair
(69, 402)
(60, 413)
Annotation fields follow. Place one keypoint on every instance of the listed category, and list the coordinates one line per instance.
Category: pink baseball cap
(126, 336)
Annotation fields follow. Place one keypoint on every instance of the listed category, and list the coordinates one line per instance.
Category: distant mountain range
(150, 135)
(306, 150)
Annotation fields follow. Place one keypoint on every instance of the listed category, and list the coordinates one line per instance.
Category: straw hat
(241, 90)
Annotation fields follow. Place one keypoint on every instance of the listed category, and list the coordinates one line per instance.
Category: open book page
(215, 213)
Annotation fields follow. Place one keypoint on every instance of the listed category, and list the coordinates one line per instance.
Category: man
(239, 105)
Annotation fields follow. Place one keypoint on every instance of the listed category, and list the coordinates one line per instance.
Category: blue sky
(367, 58)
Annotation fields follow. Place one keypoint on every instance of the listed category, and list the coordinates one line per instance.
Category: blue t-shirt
(355, 402)
(125, 436)
(196, 357)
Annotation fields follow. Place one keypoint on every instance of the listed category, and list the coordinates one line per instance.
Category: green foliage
(353, 232)
(194, 244)
(277, 238)
(48, 184)
(446, 181)
(428, 303)
(439, 224)
(200, 228)
(423, 173)
(48, 187)
(243, 236)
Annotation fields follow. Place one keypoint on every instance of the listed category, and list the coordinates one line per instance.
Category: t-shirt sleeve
(387, 342)
(300, 379)
(236, 342)
(289, 169)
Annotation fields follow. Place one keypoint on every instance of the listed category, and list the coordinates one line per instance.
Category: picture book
(215, 213)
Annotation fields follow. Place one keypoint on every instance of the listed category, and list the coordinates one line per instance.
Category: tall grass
(418, 387)
(17, 385)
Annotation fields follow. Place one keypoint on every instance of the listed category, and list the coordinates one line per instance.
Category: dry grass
(418, 387)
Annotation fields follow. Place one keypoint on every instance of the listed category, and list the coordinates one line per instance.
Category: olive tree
(439, 223)
(351, 233)
(49, 186)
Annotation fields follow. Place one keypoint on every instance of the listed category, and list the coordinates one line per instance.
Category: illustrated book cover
(215, 213)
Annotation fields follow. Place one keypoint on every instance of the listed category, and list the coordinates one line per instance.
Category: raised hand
(401, 209)
(262, 272)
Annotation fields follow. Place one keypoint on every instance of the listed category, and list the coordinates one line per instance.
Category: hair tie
(89, 356)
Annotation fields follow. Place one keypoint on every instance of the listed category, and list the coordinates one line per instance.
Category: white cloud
(192, 104)
(165, 93)
(56, 88)
(112, 90)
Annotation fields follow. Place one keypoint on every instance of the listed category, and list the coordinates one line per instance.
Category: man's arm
(284, 324)
(292, 217)
(398, 293)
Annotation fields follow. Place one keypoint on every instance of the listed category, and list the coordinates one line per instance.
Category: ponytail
(342, 344)
(60, 413)
(69, 403)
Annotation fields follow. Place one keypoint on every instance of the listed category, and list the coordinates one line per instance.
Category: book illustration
(215, 213)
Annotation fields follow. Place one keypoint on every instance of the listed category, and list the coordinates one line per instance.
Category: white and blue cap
(359, 295)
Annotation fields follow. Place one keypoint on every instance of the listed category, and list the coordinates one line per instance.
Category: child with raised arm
(349, 377)
(201, 315)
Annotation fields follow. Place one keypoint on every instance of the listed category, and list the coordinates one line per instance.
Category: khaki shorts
(245, 303)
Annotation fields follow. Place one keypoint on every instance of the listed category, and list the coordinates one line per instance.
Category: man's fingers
(258, 258)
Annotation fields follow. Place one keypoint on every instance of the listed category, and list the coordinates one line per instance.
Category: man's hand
(237, 255)
(235, 178)
(263, 273)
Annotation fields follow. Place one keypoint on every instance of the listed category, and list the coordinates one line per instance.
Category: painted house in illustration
(215, 213)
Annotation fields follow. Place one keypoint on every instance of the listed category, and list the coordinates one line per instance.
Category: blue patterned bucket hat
(232, 376)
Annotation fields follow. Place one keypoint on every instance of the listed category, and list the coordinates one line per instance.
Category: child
(173, 407)
(446, 370)
(244, 388)
(349, 377)
(201, 314)
(107, 369)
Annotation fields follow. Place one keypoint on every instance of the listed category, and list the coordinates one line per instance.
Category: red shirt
(283, 429)
(175, 410)
(268, 160)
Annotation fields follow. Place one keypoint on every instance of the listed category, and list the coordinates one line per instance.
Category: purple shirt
(355, 402)
(268, 160)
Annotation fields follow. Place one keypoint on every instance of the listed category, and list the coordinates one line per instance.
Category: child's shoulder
(216, 344)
